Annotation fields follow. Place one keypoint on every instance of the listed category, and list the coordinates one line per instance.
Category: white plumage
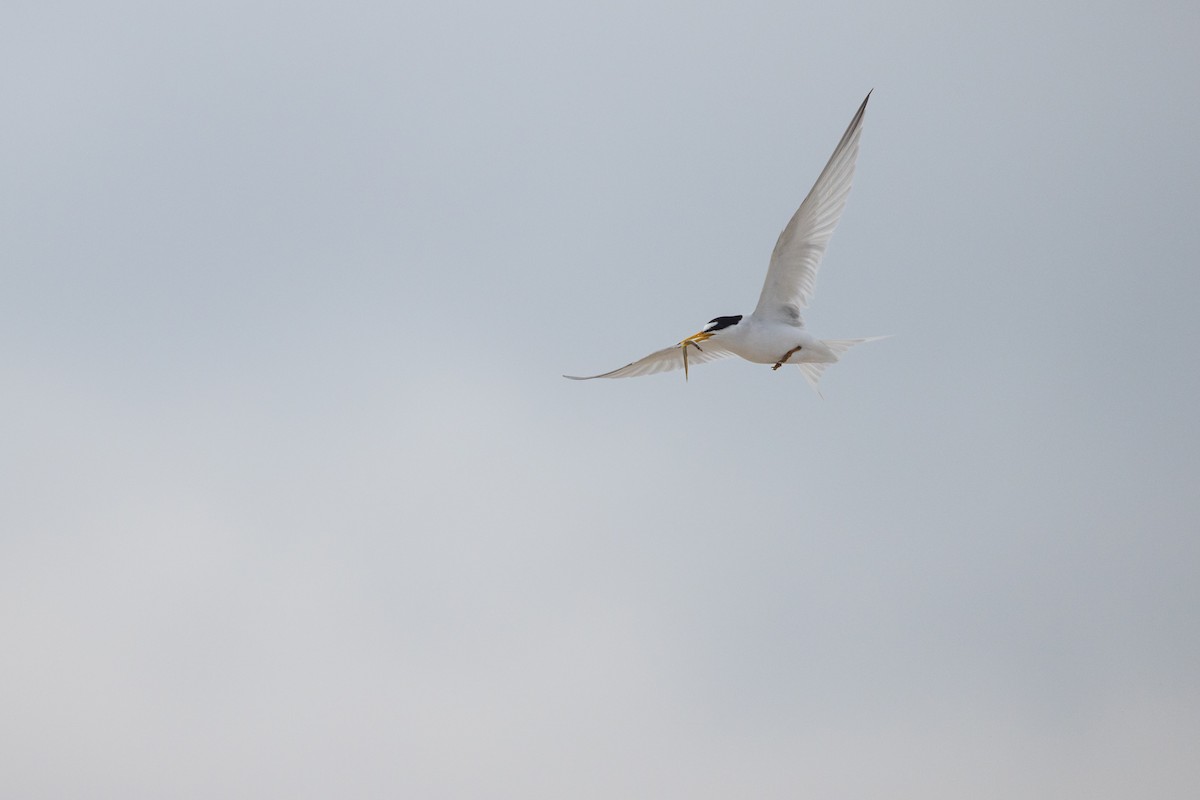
(774, 333)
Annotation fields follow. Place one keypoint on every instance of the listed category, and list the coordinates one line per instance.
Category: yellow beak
(694, 341)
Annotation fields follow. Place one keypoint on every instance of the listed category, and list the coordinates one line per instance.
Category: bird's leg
(786, 356)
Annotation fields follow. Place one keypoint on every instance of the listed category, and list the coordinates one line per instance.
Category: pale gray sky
(295, 502)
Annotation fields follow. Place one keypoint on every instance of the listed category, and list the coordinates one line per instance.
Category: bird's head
(713, 328)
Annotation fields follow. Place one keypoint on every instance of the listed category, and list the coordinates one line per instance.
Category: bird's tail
(813, 369)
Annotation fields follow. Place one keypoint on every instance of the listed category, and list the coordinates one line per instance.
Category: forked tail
(813, 369)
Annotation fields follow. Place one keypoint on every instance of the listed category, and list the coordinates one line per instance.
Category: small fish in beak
(694, 340)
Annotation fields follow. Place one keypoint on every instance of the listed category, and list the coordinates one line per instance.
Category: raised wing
(668, 359)
(792, 276)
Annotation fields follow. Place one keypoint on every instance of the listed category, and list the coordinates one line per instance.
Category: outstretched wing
(792, 276)
(668, 359)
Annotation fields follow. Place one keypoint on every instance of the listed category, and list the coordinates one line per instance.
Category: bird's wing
(792, 276)
(668, 359)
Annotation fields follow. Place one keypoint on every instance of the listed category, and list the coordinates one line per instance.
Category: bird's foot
(786, 356)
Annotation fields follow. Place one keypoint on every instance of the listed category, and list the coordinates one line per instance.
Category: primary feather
(668, 359)
(792, 275)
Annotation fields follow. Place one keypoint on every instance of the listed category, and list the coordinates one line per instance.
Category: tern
(774, 332)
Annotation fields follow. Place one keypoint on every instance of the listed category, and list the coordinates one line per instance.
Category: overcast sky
(295, 503)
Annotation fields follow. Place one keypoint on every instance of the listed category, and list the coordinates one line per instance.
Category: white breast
(766, 341)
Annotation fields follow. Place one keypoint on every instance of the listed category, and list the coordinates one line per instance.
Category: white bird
(774, 333)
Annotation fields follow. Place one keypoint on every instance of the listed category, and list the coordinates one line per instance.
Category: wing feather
(668, 359)
(792, 275)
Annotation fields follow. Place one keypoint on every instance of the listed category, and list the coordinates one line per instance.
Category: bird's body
(774, 333)
(765, 341)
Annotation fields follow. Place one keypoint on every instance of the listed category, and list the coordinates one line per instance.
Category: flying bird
(774, 332)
